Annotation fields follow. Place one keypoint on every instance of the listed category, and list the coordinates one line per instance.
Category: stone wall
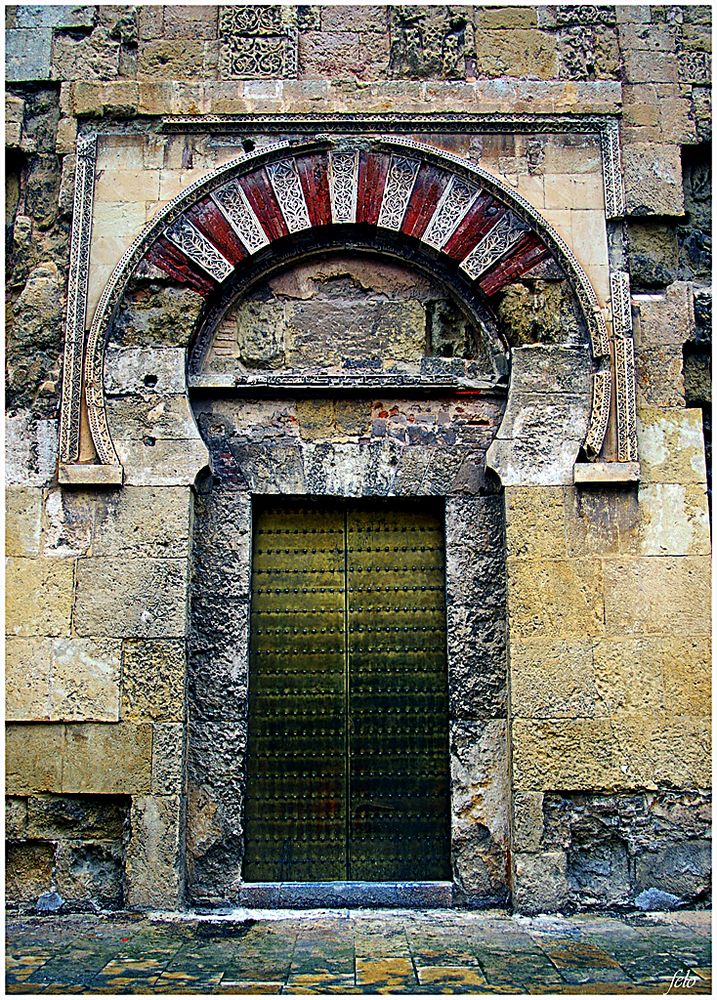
(607, 625)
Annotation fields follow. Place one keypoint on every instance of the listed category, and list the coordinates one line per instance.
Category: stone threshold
(308, 895)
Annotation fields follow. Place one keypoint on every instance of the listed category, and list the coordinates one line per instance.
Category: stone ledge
(606, 473)
(90, 475)
(308, 895)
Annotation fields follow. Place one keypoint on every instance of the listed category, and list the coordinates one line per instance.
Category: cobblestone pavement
(355, 951)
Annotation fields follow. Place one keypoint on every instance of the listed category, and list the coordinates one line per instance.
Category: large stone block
(28, 677)
(535, 522)
(55, 16)
(665, 319)
(476, 663)
(151, 416)
(566, 754)
(674, 520)
(540, 883)
(516, 52)
(153, 866)
(15, 818)
(30, 450)
(62, 680)
(552, 680)
(561, 598)
(106, 759)
(653, 179)
(671, 444)
(662, 751)
(539, 439)
(69, 520)
(91, 873)
(168, 758)
(76, 817)
(27, 54)
(29, 868)
(684, 870)
(479, 782)
(135, 370)
(657, 596)
(601, 522)
(33, 758)
(527, 821)
(85, 680)
(629, 675)
(23, 514)
(150, 521)
(136, 598)
(38, 596)
(156, 462)
(153, 680)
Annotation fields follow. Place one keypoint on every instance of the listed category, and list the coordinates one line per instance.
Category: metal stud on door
(348, 741)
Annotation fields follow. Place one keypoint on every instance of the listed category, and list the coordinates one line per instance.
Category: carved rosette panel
(343, 185)
(397, 192)
(234, 205)
(486, 232)
(452, 208)
(257, 42)
(495, 244)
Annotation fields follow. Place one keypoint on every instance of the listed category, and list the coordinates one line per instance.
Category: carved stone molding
(625, 399)
(467, 204)
(396, 123)
(77, 298)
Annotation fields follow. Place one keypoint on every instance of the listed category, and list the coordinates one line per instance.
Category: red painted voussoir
(525, 254)
(209, 220)
(177, 265)
(313, 173)
(373, 170)
(478, 221)
(430, 184)
(257, 188)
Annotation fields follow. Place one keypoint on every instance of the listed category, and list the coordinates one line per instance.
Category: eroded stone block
(153, 866)
(671, 443)
(479, 790)
(33, 758)
(561, 598)
(23, 512)
(38, 596)
(552, 679)
(29, 870)
(152, 680)
(654, 596)
(107, 759)
(540, 882)
(147, 597)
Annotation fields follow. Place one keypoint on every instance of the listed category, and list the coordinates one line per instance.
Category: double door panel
(348, 718)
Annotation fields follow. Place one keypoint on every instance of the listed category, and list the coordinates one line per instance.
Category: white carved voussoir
(286, 184)
(495, 244)
(199, 249)
(234, 206)
(451, 210)
(401, 177)
(343, 185)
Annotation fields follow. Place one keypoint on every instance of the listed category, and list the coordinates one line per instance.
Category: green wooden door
(348, 715)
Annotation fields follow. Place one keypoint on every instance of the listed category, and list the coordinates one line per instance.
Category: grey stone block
(27, 54)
